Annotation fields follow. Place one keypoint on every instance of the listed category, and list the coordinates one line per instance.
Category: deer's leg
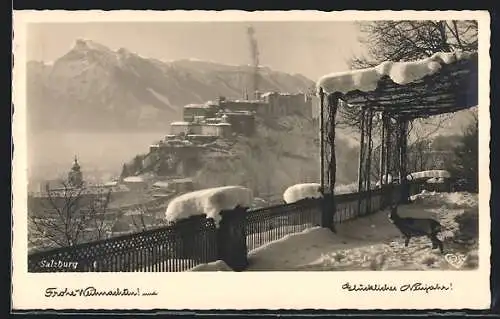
(433, 241)
(407, 240)
(441, 248)
(437, 243)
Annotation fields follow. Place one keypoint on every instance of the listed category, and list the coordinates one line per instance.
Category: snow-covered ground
(373, 243)
(368, 243)
(218, 265)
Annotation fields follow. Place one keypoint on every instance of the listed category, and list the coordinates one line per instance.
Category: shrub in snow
(209, 202)
(301, 191)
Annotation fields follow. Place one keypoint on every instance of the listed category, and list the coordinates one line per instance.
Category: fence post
(185, 242)
(231, 239)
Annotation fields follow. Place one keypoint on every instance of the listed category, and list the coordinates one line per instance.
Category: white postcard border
(247, 290)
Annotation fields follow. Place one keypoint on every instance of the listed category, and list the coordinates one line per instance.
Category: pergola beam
(453, 88)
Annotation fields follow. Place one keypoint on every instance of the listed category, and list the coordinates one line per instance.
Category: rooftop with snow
(444, 82)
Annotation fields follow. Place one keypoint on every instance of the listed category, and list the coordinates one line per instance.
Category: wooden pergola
(453, 87)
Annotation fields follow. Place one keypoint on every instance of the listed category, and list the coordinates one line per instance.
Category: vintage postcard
(251, 160)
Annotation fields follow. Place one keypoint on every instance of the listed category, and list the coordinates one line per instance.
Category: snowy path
(370, 243)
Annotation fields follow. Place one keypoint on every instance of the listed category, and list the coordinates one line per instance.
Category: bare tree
(465, 165)
(413, 40)
(67, 214)
(97, 218)
(139, 220)
(420, 137)
(144, 216)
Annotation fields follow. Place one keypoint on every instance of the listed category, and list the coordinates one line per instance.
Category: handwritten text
(408, 287)
(94, 292)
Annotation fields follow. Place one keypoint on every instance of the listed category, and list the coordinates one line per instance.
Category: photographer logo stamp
(455, 260)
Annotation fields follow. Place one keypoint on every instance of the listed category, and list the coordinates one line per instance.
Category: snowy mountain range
(92, 87)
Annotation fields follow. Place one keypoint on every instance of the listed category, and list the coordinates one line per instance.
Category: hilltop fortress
(223, 118)
(205, 127)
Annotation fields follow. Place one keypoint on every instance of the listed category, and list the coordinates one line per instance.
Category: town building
(241, 105)
(207, 119)
(241, 122)
(191, 111)
(180, 128)
(283, 104)
(175, 185)
(138, 182)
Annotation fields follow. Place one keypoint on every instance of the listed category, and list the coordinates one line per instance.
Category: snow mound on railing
(438, 173)
(209, 202)
(366, 80)
(301, 191)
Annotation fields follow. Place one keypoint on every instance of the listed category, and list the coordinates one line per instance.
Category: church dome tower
(75, 176)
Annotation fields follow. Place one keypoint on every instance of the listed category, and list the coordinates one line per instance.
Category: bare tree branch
(71, 211)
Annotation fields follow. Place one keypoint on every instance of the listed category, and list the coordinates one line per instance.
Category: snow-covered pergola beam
(442, 83)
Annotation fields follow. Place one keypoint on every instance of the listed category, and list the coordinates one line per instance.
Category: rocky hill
(93, 87)
(282, 153)
(286, 151)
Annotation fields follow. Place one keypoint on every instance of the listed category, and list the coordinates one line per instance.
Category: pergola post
(333, 101)
(388, 147)
(322, 140)
(328, 159)
(368, 164)
(361, 151)
(365, 156)
(361, 158)
(333, 104)
(382, 167)
(391, 153)
(403, 157)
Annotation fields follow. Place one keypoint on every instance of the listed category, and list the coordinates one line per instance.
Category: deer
(415, 227)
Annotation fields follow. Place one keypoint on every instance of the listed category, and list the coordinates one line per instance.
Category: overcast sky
(310, 48)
